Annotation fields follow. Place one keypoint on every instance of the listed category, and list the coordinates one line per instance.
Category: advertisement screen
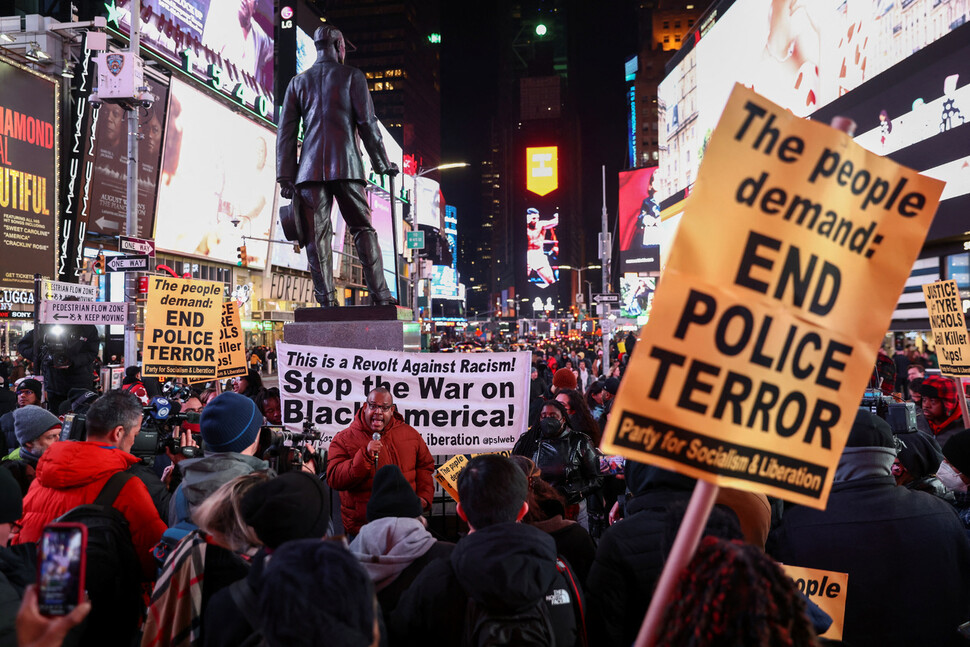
(636, 296)
(920, 117)
(28, 175)
(536, 213)
(444, 281)
(236, 36)
(107, 194)
(800, 55)
(380, 207)
(451, 233)
(639, 221)
(218, 180)
(427, 202)
(284, 255)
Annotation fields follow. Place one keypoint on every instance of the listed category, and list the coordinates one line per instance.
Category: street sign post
(58, 290)
(84, 312)
(415, 240)
(606, 297)
(139, 263)
(129, 245)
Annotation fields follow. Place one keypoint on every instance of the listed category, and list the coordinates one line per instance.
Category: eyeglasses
(383, 407)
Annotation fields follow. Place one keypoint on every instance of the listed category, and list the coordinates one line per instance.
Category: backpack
(530, 626)
(174, 534)
(113, 575)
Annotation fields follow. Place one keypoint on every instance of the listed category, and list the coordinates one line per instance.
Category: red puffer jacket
(351, 472)
(72, 473)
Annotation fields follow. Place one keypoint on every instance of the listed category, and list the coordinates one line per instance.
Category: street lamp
(414, 224)
(580, 281)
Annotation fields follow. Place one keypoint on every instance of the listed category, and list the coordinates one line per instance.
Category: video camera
(901, 416)
(286, 450)
(156, 434)
(55, 348)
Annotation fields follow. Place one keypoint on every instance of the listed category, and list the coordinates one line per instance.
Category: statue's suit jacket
(335, 105)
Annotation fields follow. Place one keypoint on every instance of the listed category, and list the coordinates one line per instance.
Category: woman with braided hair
(732, 594)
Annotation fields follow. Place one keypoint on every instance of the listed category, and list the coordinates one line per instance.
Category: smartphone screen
(60, 567)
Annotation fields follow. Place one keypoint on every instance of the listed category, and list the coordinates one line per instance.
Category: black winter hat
(919, 453)
(869, 430)
(957, 451)
(11, 499)
(292, 506)
(295, 580)
(392, 496)
(640, 478)
(612, 385)
(30, 384)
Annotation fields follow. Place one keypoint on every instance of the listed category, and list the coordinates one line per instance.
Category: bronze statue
(335, 105)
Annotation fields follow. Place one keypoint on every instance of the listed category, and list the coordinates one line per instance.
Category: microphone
(376, 436)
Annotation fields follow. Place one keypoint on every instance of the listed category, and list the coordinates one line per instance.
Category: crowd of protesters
(232, 539)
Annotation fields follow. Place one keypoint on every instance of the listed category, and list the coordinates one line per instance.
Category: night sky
(600, 37)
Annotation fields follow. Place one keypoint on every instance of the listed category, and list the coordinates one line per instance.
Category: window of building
(666, 39)
(677, 38)
(677, 24)
(666, 24)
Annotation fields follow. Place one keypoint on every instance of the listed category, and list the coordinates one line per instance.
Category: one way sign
(129, 263)
(130, 245)
(607, 297)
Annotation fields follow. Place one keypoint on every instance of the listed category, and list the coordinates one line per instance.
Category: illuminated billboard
(542, 169)
(226, 44)
(28, 175)
(217, 183)
(922, 120)
(380, 209)
(639, 226)
(801, 55)
(105, 197)
(540, 247)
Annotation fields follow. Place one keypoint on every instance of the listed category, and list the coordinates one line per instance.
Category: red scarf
(937, 429)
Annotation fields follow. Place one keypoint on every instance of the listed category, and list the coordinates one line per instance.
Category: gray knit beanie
(30, 421)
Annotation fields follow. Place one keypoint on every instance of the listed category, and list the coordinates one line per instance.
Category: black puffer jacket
(507, 567)
(568, 461)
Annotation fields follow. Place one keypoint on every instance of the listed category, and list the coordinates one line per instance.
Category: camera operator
(66, 358)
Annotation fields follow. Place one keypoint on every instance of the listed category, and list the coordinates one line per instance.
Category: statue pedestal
(363, 327)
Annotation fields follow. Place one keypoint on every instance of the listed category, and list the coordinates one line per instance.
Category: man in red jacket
(73, 473)
(355, 454)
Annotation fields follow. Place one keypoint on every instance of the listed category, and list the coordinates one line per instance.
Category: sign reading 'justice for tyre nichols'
(790, 257)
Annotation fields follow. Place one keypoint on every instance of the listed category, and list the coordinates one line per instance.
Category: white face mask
(950, 478)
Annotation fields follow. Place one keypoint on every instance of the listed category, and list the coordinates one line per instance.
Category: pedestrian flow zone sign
(60, 290)
(84, 312)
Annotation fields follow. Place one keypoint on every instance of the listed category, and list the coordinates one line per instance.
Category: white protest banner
(460, 403)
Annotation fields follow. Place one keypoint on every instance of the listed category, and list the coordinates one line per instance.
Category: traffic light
(99, 263)
(243, 258)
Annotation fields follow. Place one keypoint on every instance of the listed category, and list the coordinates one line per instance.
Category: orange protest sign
(945, 307)
(447, 474)
(232, 354)
(793, 249)
(827, 589)
(182, 319)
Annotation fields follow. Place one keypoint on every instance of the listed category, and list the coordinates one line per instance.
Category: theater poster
(28, 175)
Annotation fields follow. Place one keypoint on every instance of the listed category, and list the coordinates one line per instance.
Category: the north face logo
(558, 597)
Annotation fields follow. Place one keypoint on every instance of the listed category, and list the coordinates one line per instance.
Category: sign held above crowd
(754, 361)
